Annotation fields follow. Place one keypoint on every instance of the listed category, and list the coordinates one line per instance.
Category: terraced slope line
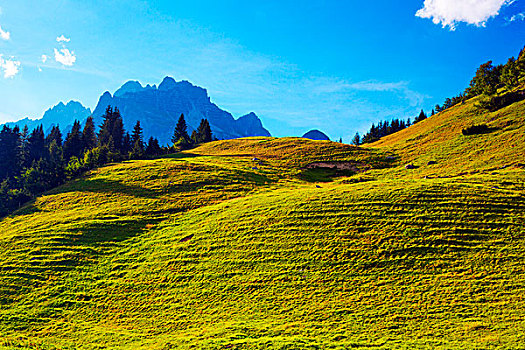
(209, 251)
(439, 139)
(294, 151)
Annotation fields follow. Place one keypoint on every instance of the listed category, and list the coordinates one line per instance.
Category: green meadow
(211, 248)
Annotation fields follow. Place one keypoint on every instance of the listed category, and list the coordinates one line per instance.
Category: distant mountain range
(158, 109)
(62, 114)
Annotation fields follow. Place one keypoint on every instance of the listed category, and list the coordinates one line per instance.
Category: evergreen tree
(118, 131)
(36, 149)
(89, 139)
(54, 135)
(181, 132)
(136, 136)
(73, 146)
(420, 117)
(204, 132)
(194, 137)
(357, 139)
(9, 141)
(56, 165)
(23, 147)
(112, 129)
(153, 148)
(105, 129)
(138, 150)
(127, 144)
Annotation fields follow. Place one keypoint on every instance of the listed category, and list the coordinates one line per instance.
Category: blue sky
(333, 65)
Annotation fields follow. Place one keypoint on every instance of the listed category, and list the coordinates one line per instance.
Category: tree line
(33, 162)
(488, 79)
(384, 128)
(486, 82)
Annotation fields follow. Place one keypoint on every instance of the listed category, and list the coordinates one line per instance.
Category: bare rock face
(159, 108)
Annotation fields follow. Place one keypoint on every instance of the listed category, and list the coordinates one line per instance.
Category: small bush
(476, 129)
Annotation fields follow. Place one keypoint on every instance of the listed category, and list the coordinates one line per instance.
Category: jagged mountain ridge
(158, 109)
(62, 114)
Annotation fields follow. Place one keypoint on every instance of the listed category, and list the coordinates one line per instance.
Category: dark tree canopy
(136, 136)
(36, 145)
(181, 131)
(357, 139)
(153, 148)
(89, 139)
(73, 146)
(54, 135)
(9, 145)
(111, 132)
(420, 117)
(204, 132)
(384, 128)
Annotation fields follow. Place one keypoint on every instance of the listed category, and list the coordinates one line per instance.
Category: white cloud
(64, 56)
(518, 17)
(451, 12)
(62, 38)
(9, 66)
(4, 35)
(44, 58)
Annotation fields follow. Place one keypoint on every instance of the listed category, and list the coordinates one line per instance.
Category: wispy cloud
(289, 99)
(449, 13)
(4, 35)
(65, 57)
(517, 17)
(44, 58)
(62, 38)
(10, 67)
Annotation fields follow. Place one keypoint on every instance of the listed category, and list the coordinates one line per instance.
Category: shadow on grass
(322, 174)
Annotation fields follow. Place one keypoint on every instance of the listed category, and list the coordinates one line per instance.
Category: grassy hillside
(211, 249)
(439, 139)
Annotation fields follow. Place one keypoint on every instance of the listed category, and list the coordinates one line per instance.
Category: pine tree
(105, 129)
(136, 136)
(357, 139)
(194, 137)
(204, 132)
(112, 129)
(127, 145)
(89, 139)
(153, 148)
(420, 117)
(118, 131)
(73, 146)
(181, 132)
(9, 141)
(36, 149)
(54, 135)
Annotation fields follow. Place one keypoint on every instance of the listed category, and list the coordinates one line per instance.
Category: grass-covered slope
(439, 138)
(210, 249)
